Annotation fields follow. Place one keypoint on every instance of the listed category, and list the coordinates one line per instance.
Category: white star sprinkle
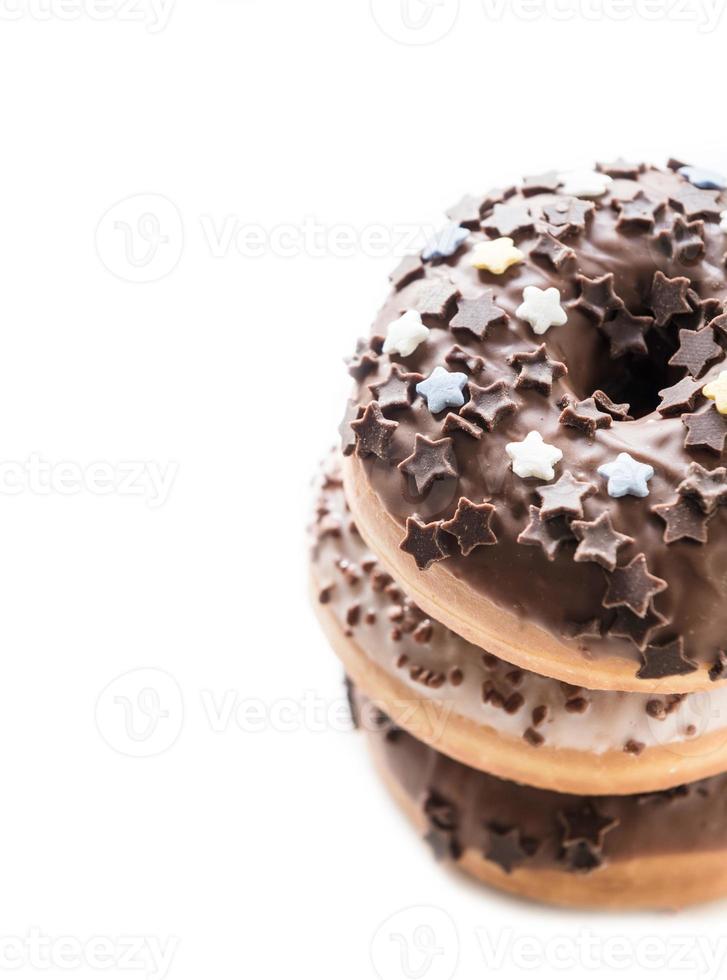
(542, 309)
(404, 335)
(533, 457)
(627, 476)
(443, 389)
(585, 183)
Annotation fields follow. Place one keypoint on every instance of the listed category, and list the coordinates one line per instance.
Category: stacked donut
(520, 548)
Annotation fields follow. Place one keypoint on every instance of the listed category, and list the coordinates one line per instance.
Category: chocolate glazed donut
(535, 438)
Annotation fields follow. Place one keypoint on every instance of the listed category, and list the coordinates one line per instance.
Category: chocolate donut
(535, 438)
(664, 850)
(476, 708)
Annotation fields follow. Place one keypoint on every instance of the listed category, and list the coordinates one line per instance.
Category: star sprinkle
(347, 434)
(496, 256)
(706, 180)
(471, 525)
(707, 487)
(553, 251)
(429, 462)
(468, 211)
(627, 476)
(424, 542)
(365, 358)
(668, 297)
(621, 169)
(445, 243)
(564, 498)
(533, 457)
(505, 848)
(585, 415)
(541, 308)
(706, 430)
(568, 213)
(443, 389)
(697, 350)
(585, 825)
(633, 586)
(473, 363)
(435, 298)
(549, 535)
(626, 333)
(455, 423)
(585, 183)
(405, 334)
(616, 411)
(638, 213)
(474, 316)
(696, 204)
(638, 629)
(599, 541)
(373, 432)
(665, 661)
(683, 241)
(489, 405)
(541, 184)
(684, 519)
(508, 220)
(537, 370)
(397, 391)
(716, 391)
(680, 397)
(409, 269)
(597, 297)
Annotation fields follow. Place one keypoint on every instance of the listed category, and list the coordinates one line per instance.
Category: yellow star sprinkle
(497, 256)
(717, 391)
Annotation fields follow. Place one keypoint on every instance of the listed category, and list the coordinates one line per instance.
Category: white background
(253, 842)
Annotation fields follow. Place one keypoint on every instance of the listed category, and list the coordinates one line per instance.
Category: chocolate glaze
(520, 578)
(437, 664)
(472, 809)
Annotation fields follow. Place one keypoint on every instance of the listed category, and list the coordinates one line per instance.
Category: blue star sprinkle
(445, 243)
(705, 180)
(443, 389)
(627, 476)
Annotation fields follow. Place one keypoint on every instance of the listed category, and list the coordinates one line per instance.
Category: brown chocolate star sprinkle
(365, 357)
(668, 297)
(597, 297)
(397, 391)
(508, 221)
(373, 432)
(505, 848)
(621, 169)
(684, 519)
(638, 213)
(569, 213)
(442, 820)
(697, 350)
(626, 333)
(706, 430)
(564, 497)
(471, 525)
(585, 825)
(599, 541)
(468, 211)
(707, 487)
(549, 535)
(429, 462)
(665, 661)
(474, 316)
(424, 542)
(638, 629)
(460, 358)
(547, 183)
(633, 586)
(695, 203)
(681, 397)
(620, 412)
(436, 298)
(455, 423)
(348, 436)
(487, 406)
(410, 268)
(585, 415)
(683, 241)
(553, 251)
(537, 370)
